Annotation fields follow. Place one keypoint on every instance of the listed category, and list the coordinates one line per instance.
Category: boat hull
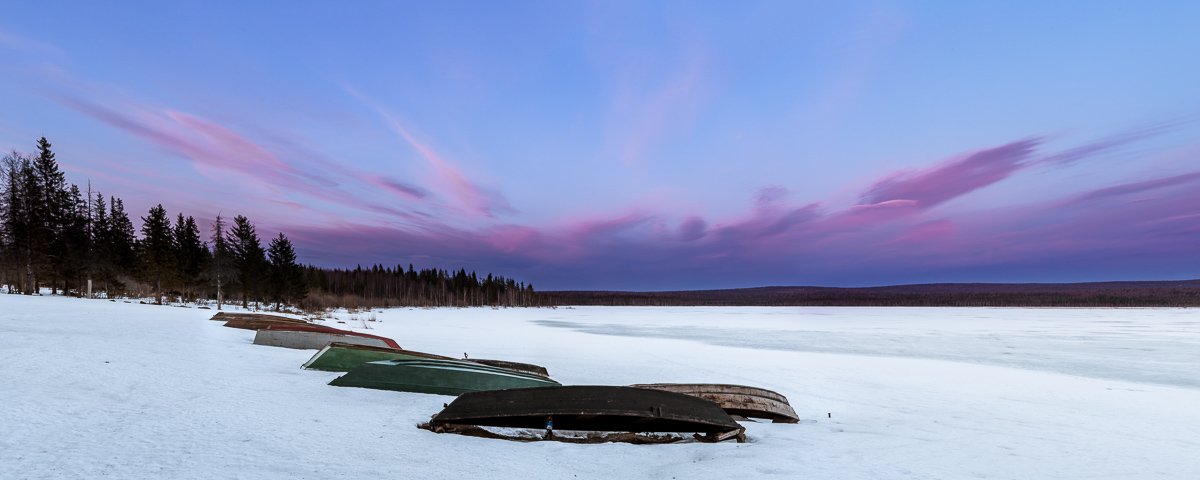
(741, 400)
(310, 340)
(588, 408)
(343, 357)
(440, 377)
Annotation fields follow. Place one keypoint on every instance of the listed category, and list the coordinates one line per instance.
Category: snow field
(94, 388)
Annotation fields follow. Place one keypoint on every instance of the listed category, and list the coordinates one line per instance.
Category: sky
(641, 145)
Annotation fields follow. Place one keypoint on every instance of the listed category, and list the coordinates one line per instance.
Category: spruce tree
(287, 279)
(31, 234)
(121, 241)
(103, 268)
(190, 253)
(14, 227)
(156, 251)
(220, 270)
(248, 257)
(72, 264)
(50, 214)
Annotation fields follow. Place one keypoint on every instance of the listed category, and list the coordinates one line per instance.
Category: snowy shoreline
(125, 390)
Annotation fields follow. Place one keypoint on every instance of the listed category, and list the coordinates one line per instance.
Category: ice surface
(1141, 345)
(94, 388)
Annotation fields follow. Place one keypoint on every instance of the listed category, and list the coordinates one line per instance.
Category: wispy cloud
(224, 154)
(897, 234)
(28, 45)
(931, 187)
(901, 228)
(471, 198)
(647, 109)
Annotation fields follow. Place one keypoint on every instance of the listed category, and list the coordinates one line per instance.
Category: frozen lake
(95, 388)
(1140, 345)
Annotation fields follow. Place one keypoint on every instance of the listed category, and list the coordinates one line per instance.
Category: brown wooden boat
(315, 337)
(741, 400)
(588, 408)
(257, 324)
(227, 316)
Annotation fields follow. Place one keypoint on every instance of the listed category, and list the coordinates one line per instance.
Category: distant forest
(56, 235)
(1184, 293)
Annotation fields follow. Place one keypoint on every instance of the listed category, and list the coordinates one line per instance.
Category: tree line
(383, 286)
(79, 242)
(1184, 293)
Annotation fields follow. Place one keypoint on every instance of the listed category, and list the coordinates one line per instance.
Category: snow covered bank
(95, 388)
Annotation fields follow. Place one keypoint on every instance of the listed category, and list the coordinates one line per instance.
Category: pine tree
(14, 227)
(103, 267)
(248, 257)
(220, 269)
(157, 250)
(75, 245)
(287, 279)
(30, 236)
(190, 254)
(50, 214)
(121, 241)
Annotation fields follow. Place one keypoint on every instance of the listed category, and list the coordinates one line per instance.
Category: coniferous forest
(76, 241)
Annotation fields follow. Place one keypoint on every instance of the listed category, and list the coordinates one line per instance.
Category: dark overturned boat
(624, 412)
(437, 376)
(740, 400)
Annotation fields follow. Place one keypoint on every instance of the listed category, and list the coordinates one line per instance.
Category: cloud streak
(470, 197)
(897, 234)
(225, 155)
(900, 230)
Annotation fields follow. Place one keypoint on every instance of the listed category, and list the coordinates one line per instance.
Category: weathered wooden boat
(588, 408)
(257, 324)
(227, 316)
(316, 337)
(387, 342)
(437, 376)
(343, 357)
(740, 400)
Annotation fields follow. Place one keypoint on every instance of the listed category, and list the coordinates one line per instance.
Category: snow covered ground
(91, 388)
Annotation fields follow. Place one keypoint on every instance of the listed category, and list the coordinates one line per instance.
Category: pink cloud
(470, 197)
(410, 191)
(896, 231)
(930, 187)
(1135, 187)
(217, 150)
(1135, 226)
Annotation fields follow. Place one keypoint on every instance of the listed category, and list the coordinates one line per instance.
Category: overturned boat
(257, 324)
(227, 316)
(437, 376)
(343, 357)
(254, 321)
(621, 410)
(316, 337)
(740, 400)
(518, 366)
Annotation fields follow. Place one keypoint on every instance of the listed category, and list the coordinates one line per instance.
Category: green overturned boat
(437, 376)
(344, 357)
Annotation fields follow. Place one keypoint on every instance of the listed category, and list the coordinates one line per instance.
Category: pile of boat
(519, 401)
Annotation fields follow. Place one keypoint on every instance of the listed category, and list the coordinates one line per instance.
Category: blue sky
(641, 145)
